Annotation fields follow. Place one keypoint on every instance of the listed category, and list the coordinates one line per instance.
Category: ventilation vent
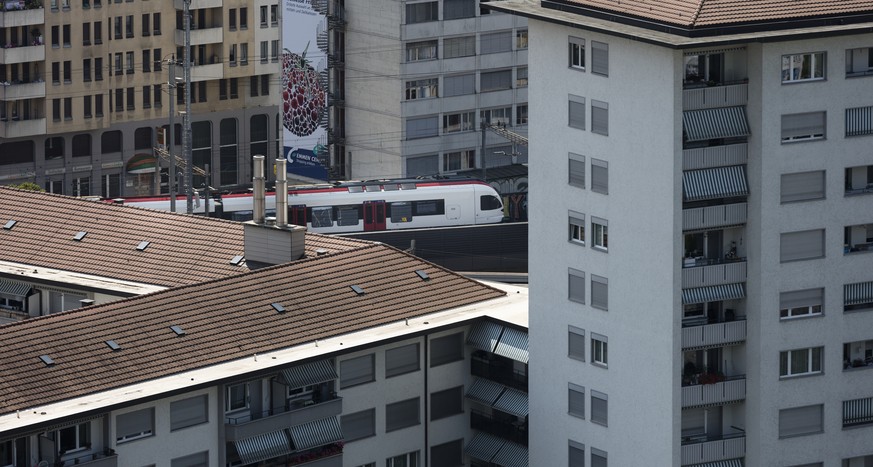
(236, 260)
(79, 236)
(142, 246)
(423, 275)
(278, 307)
(356, 189)
(358, 290)
(9, 225)
(179, 331)
(320, 252)
(113, 345)
(47, 360)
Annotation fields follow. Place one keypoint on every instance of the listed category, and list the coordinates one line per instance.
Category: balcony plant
(711, 378)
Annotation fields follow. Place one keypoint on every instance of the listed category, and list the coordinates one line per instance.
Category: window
(56, 72)
(410, 459)
(499, 116)
(74, 438)
(68, 108)
(857, 296)
(857, 238)
(577, 227)
(426, 50)
(454, 47)
(459, 85)
(801, 421)
(264, 52)
(146, 25)
(576, 285)
(454, 9)
(358, 370)
(131, 102)
(98, 69)
(56, 110)
(400, 211)
(68, 72)
(234, 88)
(460, 160)
(200, 459)
(577, 53)
(422, 88)
(402, 414)
(189, 412)
(117, 27)
(859, 121)
(521, 39)
(135, 425)
(274, 15)
(464, 121)
(129, 61)
(244, 18)
(118, 63)
(400, 360)
(859, 62)
(576, 170)
(801, 303)
(422, 12)
(599, 287)
(803, 67)
(222, 90)
(599, 176)
(86, 33)
(600, 234)
(156, 24)
(576, 343)
(576, 400)
(98, 32)
(274, 50)
(359, 425)
(422, 127)
(803, 127)
(598, 458)
(800, 362)
(263, 11)
(577, 112)
(98, 105)
(521, 114)
(521, 77)
(146, 97)
(599, 117)
(803, 186)
(446, 349)
(56, 36)
(146, 61)
(236, 397)
(495, 80)
(599, 58)
(232, 59)
(576, 456)
(86, 105)
(599, 408)
(446, 403)
(156, 54)
(599, 349)
(243, 54)
(798, 246)
(157, 96)
(447, 454)
(495, 42)
(424, 165)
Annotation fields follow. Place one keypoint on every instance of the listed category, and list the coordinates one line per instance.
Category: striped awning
(316, 433)
(17, 289)
(720, 182)
(511, 455)
(714, 293)
(263, 447)
(484, 335)
(513, 344)
(722, 122)
(727, 463)
(484, 446)
(513, 402)
(856, 294)
(485, 391)
(309, 373)
(859, 121)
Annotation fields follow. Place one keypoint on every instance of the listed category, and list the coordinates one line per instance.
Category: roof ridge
(697, 12)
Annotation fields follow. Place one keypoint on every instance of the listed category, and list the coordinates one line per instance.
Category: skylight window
(47, 360)
(179, 331)
(79, 236)
(423, 275)
(278, 307)
(142, 246)
(10, 224)
(358, 290)
(113, 345)
(236, 260)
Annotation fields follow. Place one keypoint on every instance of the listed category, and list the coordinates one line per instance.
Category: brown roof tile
(182, 250)
(225, 319)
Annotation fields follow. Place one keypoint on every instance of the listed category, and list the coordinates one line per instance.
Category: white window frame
(521, 39)
(422, 50)
(426, 88)
(599, 234)
(576, 222)
(465, 121)
(599, 350)
(790, 355)
(404, 460)
(227, 399)
(81, 444)
(792, 65)
(576, 49)
(805, 311)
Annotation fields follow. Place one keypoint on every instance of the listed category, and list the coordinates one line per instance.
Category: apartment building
(413, 82)
(87, 83)
(704, 296)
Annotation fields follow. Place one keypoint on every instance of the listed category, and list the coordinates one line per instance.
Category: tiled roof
(224, 319)
(699, 13)
(182, 249)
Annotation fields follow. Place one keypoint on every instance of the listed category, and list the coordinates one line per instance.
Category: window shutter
(459, 85)
(599, 176)
(356, 371)
(448, 454)
(576, 343)
(808, 244)
(598, 458)
(495, 42)
(803, 186)
(189, 412)
(401, 414)
(576, 285)
(577, 454)
(600, 58)
(806, 124)
(576, 400)
(599, 117)
(422, 127)
(359, 424)
(599, 292)
(446, 403)
(577, 112)
(401, 360)
(599, 407)
(693, 420)
(800, 421)
(800, 298)
(446, 349)
(132, 423)
(425, 165)
(577, 170)
(496, 80)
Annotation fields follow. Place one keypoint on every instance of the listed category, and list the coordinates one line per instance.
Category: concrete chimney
(281, 193)
(259, 198)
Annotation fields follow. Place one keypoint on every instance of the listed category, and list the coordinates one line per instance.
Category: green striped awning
(316, 433)
(723, 122)
(727, 463)
(713, 293)
(513, 345)
(513, 402)
(484, 446)
(263, 447)
(485, 391)
(315, 372)
(484, 335)
(719, 182)
(16, 289)
(511, 455)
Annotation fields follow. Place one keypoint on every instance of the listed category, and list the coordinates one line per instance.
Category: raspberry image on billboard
(304, 98)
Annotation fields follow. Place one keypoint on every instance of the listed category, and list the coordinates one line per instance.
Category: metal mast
(186, 119)
(171, 134)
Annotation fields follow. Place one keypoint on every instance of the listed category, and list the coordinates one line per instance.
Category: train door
(298, 214)
(374, 215)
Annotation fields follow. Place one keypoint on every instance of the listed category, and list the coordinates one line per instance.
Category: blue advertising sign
(304, 162)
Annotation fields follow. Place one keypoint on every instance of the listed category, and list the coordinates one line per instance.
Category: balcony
(696, 450)
(858, 239)
(203, 72)
(515, 431)
(28, 53)
(714, 216)
(27, 17)
(503, 374)
(250, 425)
(325, 456)
(710, 97)
(15, 92)
(733, 389)
(22, 128)
(706, 272)
(105, 458)
(715, 156)
(213, 35)
(717, 334)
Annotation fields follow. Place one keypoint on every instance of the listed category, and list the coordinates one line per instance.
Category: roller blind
(577, 170)
(357, 371)
(800, 421)
(800, 298)
(599, 176)
(134, 423)
(459, 47)
(803, 125)
(803, 186)
(495, 42)
(446, 403)
(402, 414)
(447, 349)
(599, 58)
(459, 85)
(577, 112)
(359, 424)
(599, 117)
(576, 285)
(808, 244)
(576, 455)
(576, 341)
(189, 412)
(599, 292)
(447, 454)
(401, 360)
(598, 458)
(576, 400)
(599, 408)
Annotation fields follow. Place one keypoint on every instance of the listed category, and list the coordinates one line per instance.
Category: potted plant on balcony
(710, 377)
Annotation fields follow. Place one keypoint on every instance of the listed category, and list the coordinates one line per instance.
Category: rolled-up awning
(513, 344)
(263, 447)
(485, 391)
(316, 433)
(511, 455)
(484, 335)
(309, 373)
(719, 182)
(713, 293)
(513, 402)
(15, 289)
(722, 122)
(856, 294)
(727, 463)
(484, 446)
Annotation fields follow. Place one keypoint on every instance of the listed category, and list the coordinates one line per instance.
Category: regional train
(360, 206)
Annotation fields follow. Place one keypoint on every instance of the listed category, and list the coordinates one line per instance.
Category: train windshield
(489, 203)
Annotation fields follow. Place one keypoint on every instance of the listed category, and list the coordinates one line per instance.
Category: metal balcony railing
(731, 390)
(722, 272)
(709, 97)
(696, 451)
(713, 334)
(714, 216)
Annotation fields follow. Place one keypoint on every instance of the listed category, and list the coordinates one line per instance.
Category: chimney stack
(259, 198)
(281, 193)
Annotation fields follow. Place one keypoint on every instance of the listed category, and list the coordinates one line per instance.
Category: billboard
(304, 85)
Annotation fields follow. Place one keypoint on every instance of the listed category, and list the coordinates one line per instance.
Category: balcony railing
(205, 35)
(499, 374)
(104, 458)
(731, 390)
(22, 128)
(696, 451)
(714, 334)
(714, 216)
(515, 432)
(324, 456)
(715, 156)
(723, 272)
(253, 424)
(710, 97)
(24, 54)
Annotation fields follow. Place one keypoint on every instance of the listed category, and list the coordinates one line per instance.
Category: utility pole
(186, 119)
(485, 126)
(171, 133)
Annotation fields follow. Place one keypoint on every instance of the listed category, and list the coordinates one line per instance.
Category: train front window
(322, 217)
(489, 203)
